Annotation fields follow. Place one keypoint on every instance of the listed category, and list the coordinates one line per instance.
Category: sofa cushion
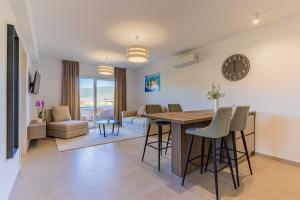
(48, 117)
(61, 113)
(67, 125)
(137, 121)
(128, 119)
(140, 121)
(141, 110)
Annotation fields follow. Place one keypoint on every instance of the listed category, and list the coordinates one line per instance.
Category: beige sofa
(64, 129)
(135, 121)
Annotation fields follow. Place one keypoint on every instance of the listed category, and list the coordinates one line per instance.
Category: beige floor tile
(115, 172)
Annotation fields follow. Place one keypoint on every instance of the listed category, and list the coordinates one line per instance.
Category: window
(96, 99)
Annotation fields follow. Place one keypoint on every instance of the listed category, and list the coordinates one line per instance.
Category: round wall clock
(236, 67)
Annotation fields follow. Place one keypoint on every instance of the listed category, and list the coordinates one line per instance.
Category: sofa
(135, 121)
(59, 123)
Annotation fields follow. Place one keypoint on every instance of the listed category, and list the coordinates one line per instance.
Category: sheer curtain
(120, 92)
(70, 87)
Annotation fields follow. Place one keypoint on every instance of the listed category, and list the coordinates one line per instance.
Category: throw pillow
(141, 110)
(61, 113)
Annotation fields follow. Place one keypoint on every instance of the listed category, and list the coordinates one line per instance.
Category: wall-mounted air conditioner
(186, 60)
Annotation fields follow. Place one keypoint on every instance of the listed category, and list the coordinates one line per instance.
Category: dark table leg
(113, 129)
(100, 129)
(104, 130)
(118, 129)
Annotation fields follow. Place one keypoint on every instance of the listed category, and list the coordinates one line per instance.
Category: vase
(217, 104)
(39, 120)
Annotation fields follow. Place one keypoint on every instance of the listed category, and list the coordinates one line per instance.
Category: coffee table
(108, 122)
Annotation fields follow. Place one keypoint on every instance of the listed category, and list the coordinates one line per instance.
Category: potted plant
(40, 104)
(215, 94)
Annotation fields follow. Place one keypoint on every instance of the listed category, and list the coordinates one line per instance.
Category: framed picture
(152, 82)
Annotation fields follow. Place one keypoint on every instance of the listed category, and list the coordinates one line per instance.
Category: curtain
(120, 92)
(70, 87)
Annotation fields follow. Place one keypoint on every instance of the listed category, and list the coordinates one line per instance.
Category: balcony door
(96, 99)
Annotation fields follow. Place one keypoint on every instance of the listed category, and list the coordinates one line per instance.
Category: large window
(96, 99)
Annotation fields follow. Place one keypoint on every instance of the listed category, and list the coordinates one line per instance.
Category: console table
(36, 130)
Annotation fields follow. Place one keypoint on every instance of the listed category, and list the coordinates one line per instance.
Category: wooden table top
(186, 117)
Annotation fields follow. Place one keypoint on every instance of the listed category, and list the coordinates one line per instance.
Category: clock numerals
(235, 67)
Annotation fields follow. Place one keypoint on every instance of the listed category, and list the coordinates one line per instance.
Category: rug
(94, 138)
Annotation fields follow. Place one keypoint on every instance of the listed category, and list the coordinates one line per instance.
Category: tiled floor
(115, 171)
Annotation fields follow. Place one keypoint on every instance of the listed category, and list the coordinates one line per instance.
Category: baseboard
(278, 159)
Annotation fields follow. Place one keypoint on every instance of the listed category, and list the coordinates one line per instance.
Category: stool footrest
(166, 147)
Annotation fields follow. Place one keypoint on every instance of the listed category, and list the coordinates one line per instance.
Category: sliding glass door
(87, 102)
(105, 99)
(96, 99)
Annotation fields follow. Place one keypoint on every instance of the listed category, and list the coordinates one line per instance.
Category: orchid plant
(40, 104)
(215, 92)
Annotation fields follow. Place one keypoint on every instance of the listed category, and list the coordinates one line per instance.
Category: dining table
(180, 121)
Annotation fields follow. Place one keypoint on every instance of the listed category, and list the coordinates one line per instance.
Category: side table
(36, 130)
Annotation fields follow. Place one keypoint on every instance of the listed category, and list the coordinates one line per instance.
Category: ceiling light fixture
(137, 53)
(106, 69)
(255, 19)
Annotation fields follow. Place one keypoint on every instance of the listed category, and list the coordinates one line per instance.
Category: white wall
(51, 80)
(9, 168)
(132, 98)
(271, 87)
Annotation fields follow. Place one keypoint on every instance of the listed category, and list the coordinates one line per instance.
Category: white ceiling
(90, 30)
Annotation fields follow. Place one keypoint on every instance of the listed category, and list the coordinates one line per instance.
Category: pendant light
(137, 53)
(106, 69)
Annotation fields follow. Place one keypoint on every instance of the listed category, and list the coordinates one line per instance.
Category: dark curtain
(70, 87)
(120, 92)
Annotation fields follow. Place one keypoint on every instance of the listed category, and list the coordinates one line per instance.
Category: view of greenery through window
(102, 103)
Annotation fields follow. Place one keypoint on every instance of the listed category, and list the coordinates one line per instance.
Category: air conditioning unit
(186, 60)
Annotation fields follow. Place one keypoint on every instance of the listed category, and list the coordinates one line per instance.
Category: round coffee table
(108, 122)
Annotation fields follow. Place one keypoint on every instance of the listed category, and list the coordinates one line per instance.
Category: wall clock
(236, 67)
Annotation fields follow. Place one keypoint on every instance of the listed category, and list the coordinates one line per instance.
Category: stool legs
(159, 145)
(229, 160)
(246, 151)
(168, 142)
(146, 141)
(235, 157)
(202, 153)
(221, 151)
(213, 150)
(214, 147)
(208, 156)
(159, 142)
(188, 159)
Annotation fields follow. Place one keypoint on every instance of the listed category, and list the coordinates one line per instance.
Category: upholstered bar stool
(238, 123)
(152, 109)
(218, 128)
(172, 108)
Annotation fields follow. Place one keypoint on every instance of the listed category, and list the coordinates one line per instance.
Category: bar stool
(151, 109)
(218, 128)
(172, 108)
(238, 123)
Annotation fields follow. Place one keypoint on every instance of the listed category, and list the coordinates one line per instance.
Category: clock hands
(234, 68)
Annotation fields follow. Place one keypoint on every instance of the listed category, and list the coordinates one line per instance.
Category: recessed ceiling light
(255, 18)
